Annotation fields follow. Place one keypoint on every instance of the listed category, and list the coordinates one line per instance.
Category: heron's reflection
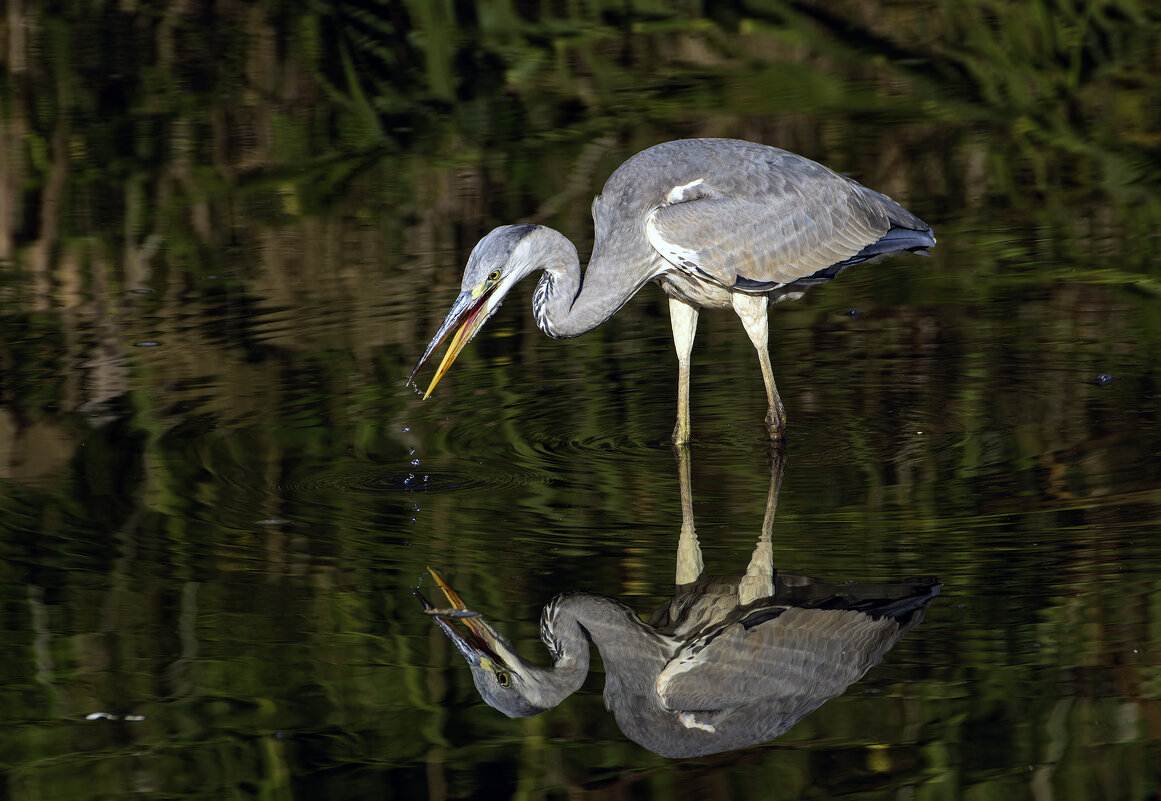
(728, 663)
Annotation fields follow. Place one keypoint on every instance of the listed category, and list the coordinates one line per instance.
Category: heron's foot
(776, 424)
(776, 457)
(777, 433)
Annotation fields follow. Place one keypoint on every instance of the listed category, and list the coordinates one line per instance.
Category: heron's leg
(683, 319)
(752, 311)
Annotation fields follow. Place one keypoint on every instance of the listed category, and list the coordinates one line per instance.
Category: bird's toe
(776, 424)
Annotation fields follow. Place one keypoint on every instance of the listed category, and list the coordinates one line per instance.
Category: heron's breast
(704, 293)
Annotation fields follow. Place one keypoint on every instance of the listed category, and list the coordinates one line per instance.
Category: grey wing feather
(790, 664)
(792, 230)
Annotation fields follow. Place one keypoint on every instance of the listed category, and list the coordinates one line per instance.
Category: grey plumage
(747, 678)
(728, 663)
(718, 223)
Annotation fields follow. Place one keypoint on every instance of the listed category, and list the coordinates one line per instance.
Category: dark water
(226, 237)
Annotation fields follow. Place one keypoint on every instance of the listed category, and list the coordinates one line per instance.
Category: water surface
(226, 239)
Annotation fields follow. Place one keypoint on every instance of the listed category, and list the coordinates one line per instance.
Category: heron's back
(744, 216)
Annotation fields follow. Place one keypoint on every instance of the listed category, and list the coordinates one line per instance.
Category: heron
(718, 223)
(727, 663)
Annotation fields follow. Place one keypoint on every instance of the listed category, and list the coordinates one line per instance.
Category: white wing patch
(673, 253)
(677, 193)
(690, 722)
(684, 663)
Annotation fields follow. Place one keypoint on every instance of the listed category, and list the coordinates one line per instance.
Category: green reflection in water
(216, 531)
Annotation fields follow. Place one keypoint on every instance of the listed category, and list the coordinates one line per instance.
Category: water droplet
(1103, 379)
(853, 313)
(406, 429)
(411, 451)
(149, 344)
(415, 463)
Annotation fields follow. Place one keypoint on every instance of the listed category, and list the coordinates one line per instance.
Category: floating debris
(111, 716)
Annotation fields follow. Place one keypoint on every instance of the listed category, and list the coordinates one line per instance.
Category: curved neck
(565, 304)
(632, 651)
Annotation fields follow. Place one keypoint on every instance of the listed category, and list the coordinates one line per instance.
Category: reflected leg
(689, 560)
(759, 579)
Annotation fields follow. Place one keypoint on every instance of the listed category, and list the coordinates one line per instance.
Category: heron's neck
(567, 304)
(569, 649)
(626, 644)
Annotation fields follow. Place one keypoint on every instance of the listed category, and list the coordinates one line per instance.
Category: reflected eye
(494, 275)
(502, 679)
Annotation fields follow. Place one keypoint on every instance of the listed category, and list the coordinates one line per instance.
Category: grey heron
(726, 664)
(718, 223)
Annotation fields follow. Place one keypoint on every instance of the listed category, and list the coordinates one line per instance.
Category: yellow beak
(473, 308)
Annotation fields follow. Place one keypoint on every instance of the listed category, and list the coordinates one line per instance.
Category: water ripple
(371, 481)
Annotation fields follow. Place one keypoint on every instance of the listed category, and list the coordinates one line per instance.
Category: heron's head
(497, 263)
(505, 681)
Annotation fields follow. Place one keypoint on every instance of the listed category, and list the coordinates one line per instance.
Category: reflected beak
(470, 309)
(481, 643)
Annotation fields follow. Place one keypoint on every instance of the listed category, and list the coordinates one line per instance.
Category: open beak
(481, 641)
(470, 311)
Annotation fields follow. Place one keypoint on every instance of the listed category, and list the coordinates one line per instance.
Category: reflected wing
(788, 665)
(792, 219)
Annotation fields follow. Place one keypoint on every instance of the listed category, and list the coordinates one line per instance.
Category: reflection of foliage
(1072, 77)
(311, 99)
(292, 187)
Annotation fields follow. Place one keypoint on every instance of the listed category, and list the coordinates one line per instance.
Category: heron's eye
(502, 679)
(494, 275)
